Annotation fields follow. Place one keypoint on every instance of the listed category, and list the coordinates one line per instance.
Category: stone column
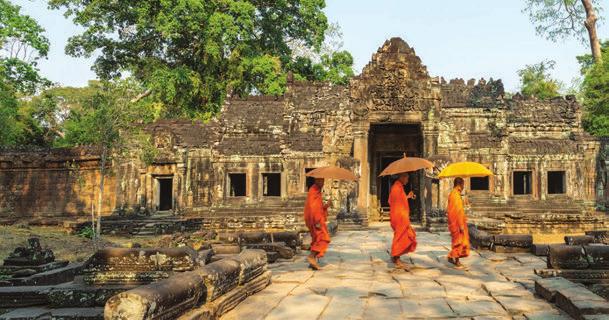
(360, 153)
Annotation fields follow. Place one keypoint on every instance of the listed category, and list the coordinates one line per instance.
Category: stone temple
(246, 168)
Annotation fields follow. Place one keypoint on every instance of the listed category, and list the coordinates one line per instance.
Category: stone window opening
(309, 181)
(237, 185)
(271, 184)
(479, 183)
(165, 193)
(522, 182)
(556, 182)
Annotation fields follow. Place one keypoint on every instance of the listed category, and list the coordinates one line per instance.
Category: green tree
(190, 53)
(22, 44)
(535, 80)
(560, 19)
(112, 119)
(595, 92)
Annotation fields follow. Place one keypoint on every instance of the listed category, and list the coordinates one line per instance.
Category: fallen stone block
(254, 237)
(221, 248)
(54, 276)
(252, 263)
(231, 237)
(30, 256)
(567, 257)
(166, 299)
(80, 295)
(33, 313)
(578, 240)
(228, 301)
(284, 251)
(547, 288)
(587, 276)
(204, 256)
(600, 236)
(271, 256)
(579, 301)
(137, 266)
(598, 257)
(220, 277)
(479, 238)
(291, 239)
(513, 240)
(77, 314)
(218, 257)
(504, 249)
(16, 297)
(540, 249)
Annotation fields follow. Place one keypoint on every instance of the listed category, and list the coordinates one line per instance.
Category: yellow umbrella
(465, 170)
(406, 164)
(332, 172)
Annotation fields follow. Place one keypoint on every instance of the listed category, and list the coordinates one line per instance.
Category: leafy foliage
(21, 45)
(595, 90)
(86, 232)
(191, 53)
(535, 80)
(559, 19)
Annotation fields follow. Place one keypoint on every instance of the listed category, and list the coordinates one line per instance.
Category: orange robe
(404, 237)
(315, 213)
(457, 225)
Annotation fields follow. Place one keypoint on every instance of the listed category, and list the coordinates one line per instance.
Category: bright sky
(467, 39)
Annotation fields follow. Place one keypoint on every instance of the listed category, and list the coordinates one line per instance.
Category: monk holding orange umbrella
(316, 212)
(404, 236)
(457, 221)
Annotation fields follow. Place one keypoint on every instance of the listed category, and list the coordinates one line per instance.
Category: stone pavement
(358, 282)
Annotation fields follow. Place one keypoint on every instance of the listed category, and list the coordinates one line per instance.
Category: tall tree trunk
(590, 24)
(100, 197)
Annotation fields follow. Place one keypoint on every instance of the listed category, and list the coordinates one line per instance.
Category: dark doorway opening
(237, 184)
(309, 181)
(522, 182)
(481, 183)
(556, 182)
(165, 194)
(387, 143)
(271, 184)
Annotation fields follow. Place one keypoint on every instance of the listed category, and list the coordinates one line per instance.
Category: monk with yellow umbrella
(316, 212)
(457, 221)
(404, 236)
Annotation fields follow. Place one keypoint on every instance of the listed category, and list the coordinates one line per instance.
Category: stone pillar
(360, 153)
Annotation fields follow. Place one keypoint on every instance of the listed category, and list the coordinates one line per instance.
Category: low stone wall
(574, 299)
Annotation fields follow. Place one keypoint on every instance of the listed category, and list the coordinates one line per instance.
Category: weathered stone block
(279, 247)
(585, 276)
(54, 276)
(579, 240)
(567, 257)
(204, 256)
(291, 239)
(252, 263)
(166, 299)
(598, 256)
(220, 248)
(547, 288)
(220, 277)
(32, 255)
(33, 313)
(133, 266)
(504, 249)
(579, 301)
(83, 296)
(15, 297)
(540, 249)
(513, 240)
(600, 236)
(254, 237)
(271, 256)
(479, 238)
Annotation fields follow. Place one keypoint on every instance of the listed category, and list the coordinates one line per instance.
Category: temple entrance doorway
(164, 194)
(387, 143)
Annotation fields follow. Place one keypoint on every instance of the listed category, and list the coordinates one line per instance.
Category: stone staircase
(352, 221)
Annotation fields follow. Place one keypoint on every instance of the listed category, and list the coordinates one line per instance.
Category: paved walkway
(358, 282)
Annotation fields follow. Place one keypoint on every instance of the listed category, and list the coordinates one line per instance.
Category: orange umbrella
(331, 172)
(464, 170)
(406, 164)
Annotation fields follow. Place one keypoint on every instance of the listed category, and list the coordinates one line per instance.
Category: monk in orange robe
(457, 224)
(315, 216)
(404, 236)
